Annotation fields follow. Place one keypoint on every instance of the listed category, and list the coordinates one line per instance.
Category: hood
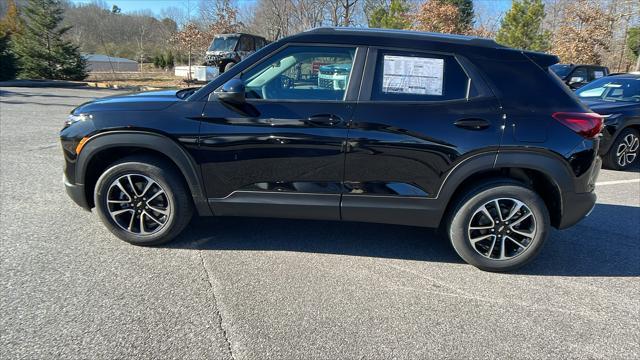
(138, 101)
(611, 107)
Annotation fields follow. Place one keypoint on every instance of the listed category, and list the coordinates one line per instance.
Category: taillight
(588, 125)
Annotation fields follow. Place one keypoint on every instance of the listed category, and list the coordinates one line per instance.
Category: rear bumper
(576, 206)
(76, 193)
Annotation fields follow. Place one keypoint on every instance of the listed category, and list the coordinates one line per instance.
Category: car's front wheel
(624, 151)
(143, 200)
(499, 225)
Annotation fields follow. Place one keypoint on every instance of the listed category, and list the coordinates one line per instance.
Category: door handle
(472, 124)
(324, 119)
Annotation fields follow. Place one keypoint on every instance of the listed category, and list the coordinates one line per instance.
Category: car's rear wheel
(143, 200)
(499, 225)
(623, 153)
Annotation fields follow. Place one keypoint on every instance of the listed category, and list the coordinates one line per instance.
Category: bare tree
(584, 33)
(190, 39)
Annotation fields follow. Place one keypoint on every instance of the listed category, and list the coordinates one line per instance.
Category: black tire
(167, 178)
(508, 191)
(613, 160)
(228, 66)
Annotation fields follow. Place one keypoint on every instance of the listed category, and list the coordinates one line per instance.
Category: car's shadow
(604, 244)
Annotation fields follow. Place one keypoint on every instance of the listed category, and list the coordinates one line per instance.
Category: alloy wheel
(502, 229)
(627, 150)
(138, 204)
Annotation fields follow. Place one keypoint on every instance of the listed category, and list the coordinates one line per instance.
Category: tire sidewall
(158, 174)
(462, 217)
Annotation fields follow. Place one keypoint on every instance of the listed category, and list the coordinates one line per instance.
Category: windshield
(611, 89)
(223, 43)
(561, 70)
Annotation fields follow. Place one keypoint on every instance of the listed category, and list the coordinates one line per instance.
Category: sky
(487, 10)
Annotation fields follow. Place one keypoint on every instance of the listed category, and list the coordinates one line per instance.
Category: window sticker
(412, 75)
(598, 74)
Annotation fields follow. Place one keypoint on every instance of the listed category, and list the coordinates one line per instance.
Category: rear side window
(596, 73)
(406, 76)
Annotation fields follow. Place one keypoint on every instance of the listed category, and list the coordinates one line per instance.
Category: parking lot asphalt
(244, 288)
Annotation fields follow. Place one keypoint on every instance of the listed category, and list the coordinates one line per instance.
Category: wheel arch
(544, 172)
(105, 148)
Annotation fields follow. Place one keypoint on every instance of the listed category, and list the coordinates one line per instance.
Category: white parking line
(615, 182)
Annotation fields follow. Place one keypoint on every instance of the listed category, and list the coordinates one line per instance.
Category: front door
(281, 153)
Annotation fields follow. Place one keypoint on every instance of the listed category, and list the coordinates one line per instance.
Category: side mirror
(233, 92)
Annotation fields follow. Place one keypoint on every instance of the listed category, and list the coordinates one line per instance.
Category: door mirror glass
(233, 91)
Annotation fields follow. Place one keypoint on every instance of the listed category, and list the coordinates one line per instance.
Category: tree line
(605, 32)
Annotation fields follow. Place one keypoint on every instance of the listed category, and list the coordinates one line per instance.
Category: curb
(43, 83)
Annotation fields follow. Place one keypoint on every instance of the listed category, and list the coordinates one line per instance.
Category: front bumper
(76, 193)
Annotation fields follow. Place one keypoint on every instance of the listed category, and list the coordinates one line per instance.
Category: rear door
(419, 115)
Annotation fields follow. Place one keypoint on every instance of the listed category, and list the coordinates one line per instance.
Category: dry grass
(152, 78)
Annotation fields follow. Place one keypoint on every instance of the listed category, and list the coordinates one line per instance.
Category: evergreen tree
(522, 26)
(170, 60)
(156, 61)
(394, 17)
(8, 67)
(465, 12)
(162, 62)
(10, 25)
(633, 42)
(41, 50)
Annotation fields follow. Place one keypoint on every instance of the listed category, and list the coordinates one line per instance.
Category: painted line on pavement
(616, 182)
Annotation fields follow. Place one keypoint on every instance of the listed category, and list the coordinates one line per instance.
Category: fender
(460, 172)
(152, 141)
(545, 162)
(629, 123)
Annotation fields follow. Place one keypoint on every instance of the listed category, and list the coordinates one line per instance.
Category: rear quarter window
(407, 76)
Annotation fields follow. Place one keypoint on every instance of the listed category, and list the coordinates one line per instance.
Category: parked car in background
(576, 76)
(382, 126)
(617, 98)
(226, 50)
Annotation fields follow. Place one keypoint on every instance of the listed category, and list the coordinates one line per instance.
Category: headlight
(75, 118)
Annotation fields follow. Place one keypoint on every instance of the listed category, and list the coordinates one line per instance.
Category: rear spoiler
(541, 59)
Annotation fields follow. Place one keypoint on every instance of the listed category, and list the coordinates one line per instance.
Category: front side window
(405, 76)
(302, 73)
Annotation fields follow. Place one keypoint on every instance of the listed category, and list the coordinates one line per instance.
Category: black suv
(576, 76)
(358, 125)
